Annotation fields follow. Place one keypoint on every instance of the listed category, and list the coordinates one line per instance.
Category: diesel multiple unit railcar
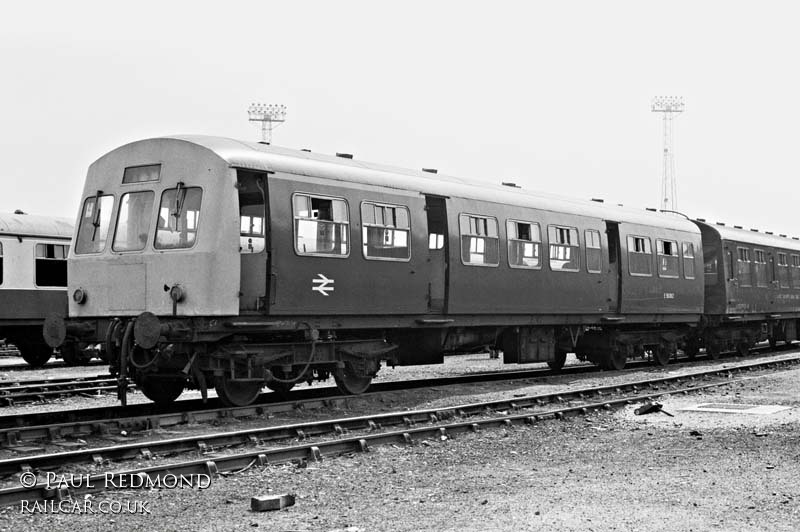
(207, 261)
(33, 279)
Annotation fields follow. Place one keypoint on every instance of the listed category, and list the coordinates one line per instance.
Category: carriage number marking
(322, 284)
(669, 295)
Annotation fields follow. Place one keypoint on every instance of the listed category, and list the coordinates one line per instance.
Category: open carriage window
(640, 256)
(178, 217)
(385, 231)
(321, 226)
(667, 251)
(51, 264)
(524, 244)
(479, 240)
(564, 249)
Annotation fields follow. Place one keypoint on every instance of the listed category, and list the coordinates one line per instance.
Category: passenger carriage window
(178, 217)
(761, 268)
(743, 273)
(640, 256)
(667, 253)
(321, 226)
(564, 248)
(795, 271)
(524, 244)
(51, 264)
(594, 255)
(480, 244)
(385, 232)
(710, 266)
(94, 223)
(783, 271)
(688, 260)
(133, 221)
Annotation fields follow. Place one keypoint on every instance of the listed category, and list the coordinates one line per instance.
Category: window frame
(509, 240)
(158, 214)
(794, 266)
(2, 264)
(577, 245)
(295, 218)
(496, 239)
(748, 260)
(395, 228)
(158, 180)
(649, 244)
(111, 223)
(587, 248)
(660, 253)
(685, 258)
(147, 242)
(37, 258)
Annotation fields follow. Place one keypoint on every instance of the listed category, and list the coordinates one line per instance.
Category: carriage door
(614, 274)
(437, 253)
(253, 245)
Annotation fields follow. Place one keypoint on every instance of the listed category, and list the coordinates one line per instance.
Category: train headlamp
(79, 296)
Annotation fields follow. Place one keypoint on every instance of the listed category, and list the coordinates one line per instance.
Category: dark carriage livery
(752, 288)
(209, 261)
(33, 279)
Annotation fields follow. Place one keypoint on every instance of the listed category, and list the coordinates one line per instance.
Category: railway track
(372, 430)
(13, 392)
(18, 429)
(16, 392)
(53, 364)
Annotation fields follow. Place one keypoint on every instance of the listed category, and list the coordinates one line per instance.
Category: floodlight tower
(270, 117)
(669, 106)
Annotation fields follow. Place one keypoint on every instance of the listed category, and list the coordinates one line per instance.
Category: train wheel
(743, 349)
(558, 362)
(661, 355)
(350, 384)
(615, 359)
(160, 390)
(233, 393)
(73, 355)
(35, 354)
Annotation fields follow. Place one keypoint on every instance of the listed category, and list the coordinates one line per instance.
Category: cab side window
(321, 226)
(252, 210)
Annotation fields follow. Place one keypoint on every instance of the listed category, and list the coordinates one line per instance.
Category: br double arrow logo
(322, 284)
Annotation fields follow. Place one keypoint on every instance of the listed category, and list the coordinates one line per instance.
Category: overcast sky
(554, 96)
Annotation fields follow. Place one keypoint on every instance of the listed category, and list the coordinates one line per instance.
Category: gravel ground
(608, 471)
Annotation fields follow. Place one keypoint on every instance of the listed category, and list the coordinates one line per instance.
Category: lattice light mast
(270, 116)
(669, 106)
